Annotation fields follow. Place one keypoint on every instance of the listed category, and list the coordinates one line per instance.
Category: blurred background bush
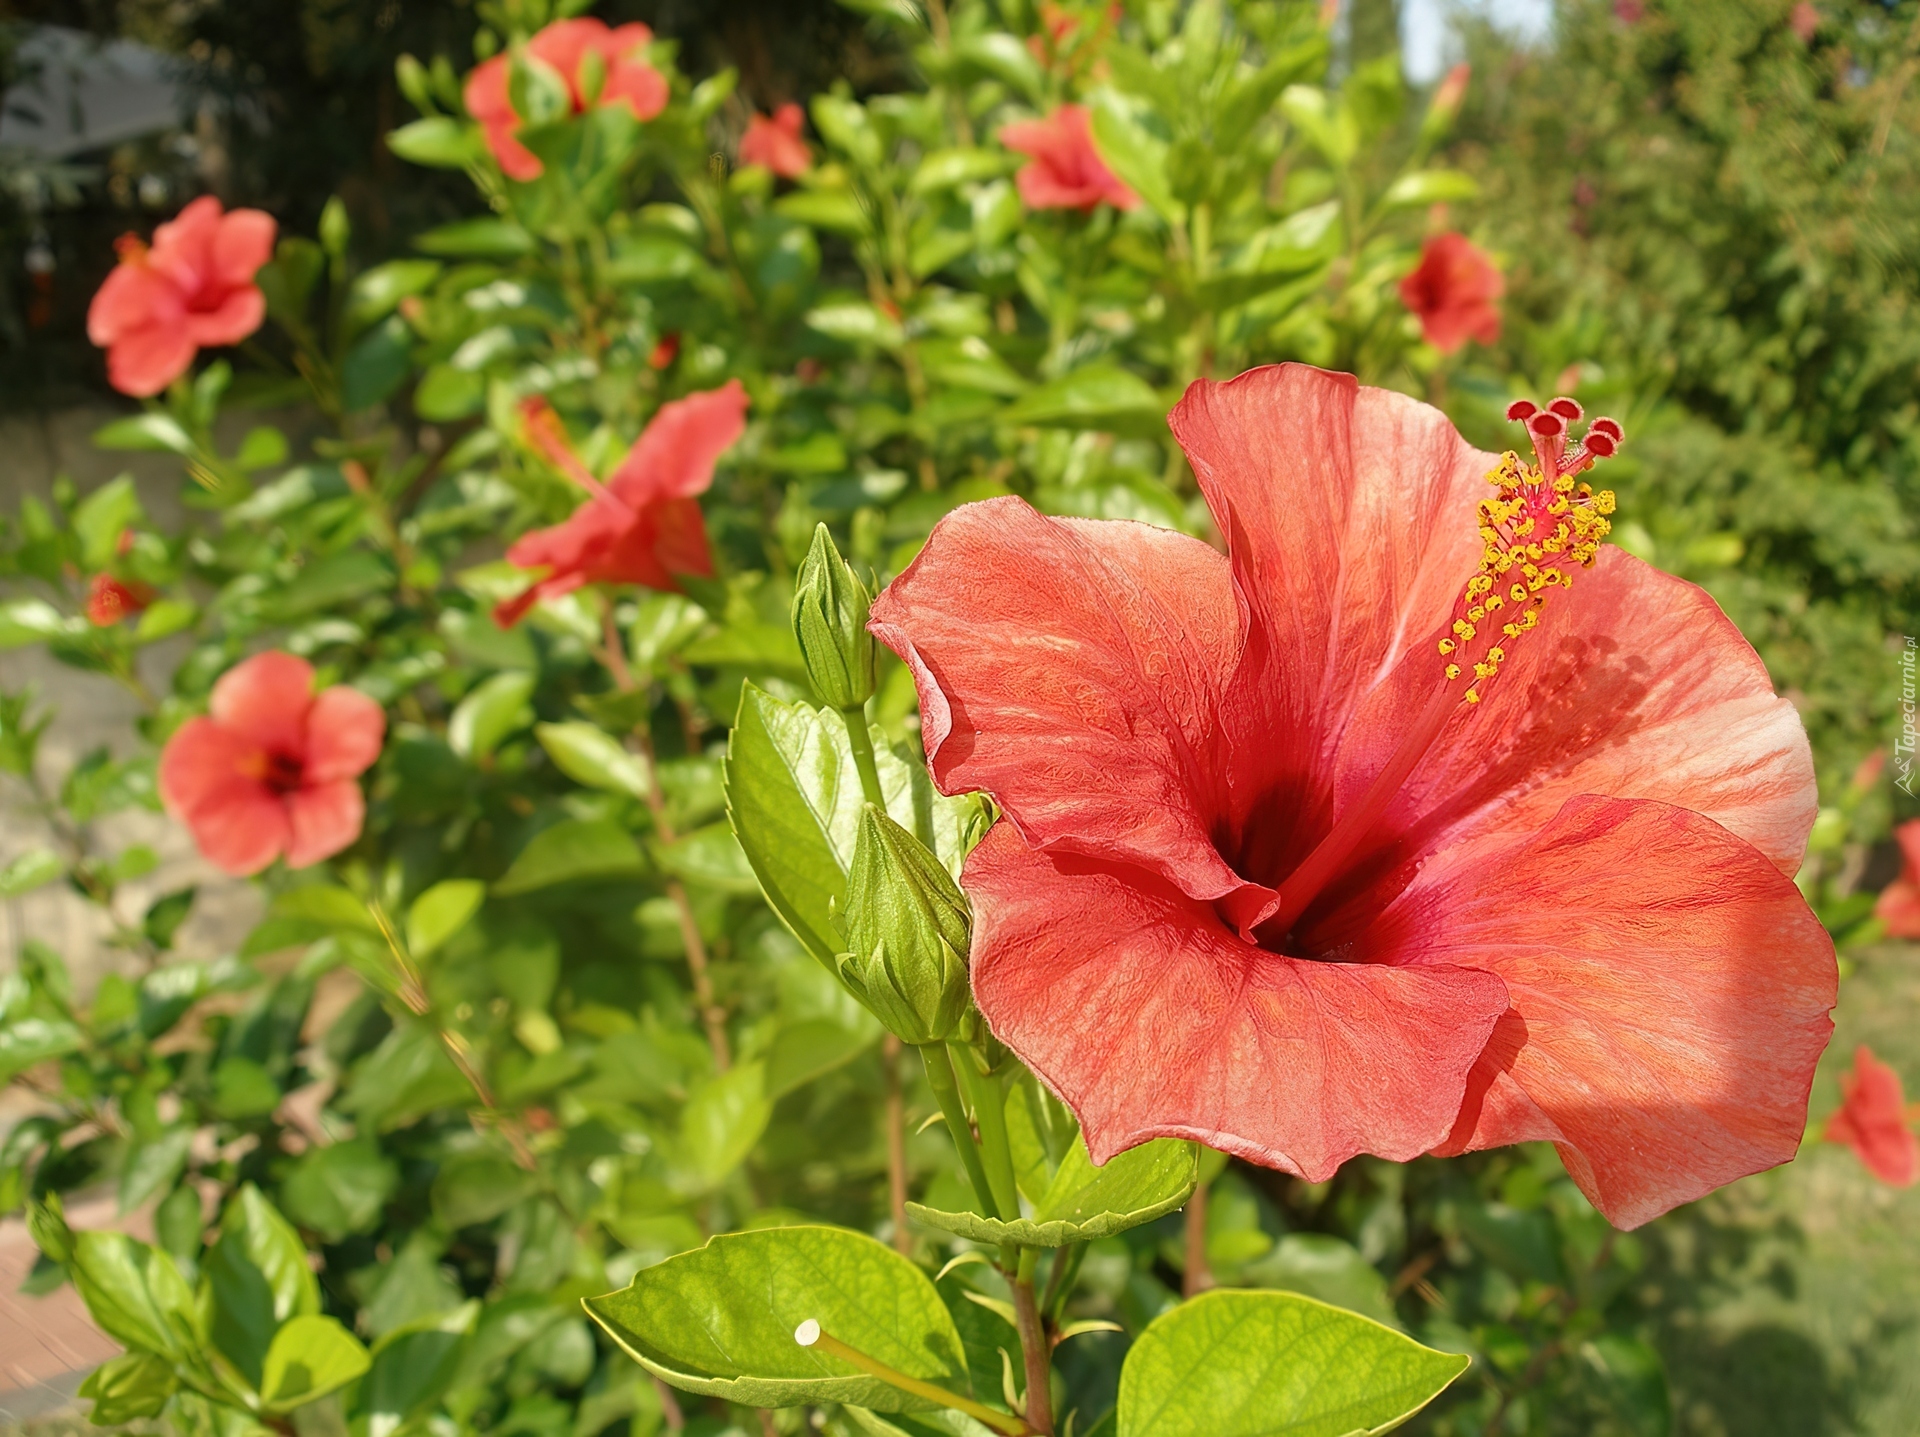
(1706, 219)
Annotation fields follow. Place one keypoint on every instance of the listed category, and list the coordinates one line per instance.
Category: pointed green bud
(830, 621)
(908, 927)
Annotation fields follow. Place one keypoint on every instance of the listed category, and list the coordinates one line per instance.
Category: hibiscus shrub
(727, 625)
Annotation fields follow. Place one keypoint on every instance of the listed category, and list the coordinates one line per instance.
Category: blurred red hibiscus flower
(563, 47)
(273, 768)
(1276, 875)
(643, 526)
(1873, 1121)
(774, 141)
(190, 290)
(109, 600)
(1898, 906)
(1063, 170)
(1452, 292)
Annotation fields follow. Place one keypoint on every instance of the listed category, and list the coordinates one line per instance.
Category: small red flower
(1064, 171)
(109, 600)
(643, 526)
(273, 768)
(1805, 21)
(562, 47)
(665, 350)
(1898, 906)
(191, 290)
(1453, 290)
(774, 141)
(1276, 875)
(1872, 1120)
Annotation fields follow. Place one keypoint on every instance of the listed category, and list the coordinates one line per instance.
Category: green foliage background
(539, 1030)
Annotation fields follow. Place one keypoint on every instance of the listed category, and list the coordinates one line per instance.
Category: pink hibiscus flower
(191, 290)
(643, 526)
(774, 141)
(273, 769)
(1064, 171)
(1872, 1120)
(563, 47)
(1898, 906)
(1276, 875)
(1452, 292)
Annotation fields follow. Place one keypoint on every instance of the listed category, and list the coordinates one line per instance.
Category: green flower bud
(908, 927)
(830, 621)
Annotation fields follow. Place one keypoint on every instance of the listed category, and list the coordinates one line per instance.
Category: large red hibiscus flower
(1418, 823)
(643, 526)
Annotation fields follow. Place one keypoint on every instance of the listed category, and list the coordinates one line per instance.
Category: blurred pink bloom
(109, 600)
(1805, 21)
(643, 526)
(273, 768)
(1453, 290)
(563, 47)
(1872, 1120)
(1899, 903)
(774, 141)
(192, 289)
(1064, 171)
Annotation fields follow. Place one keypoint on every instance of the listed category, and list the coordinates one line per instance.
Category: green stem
(810, 1334)
(862, 745)
(990, 1115)
(947, 1094)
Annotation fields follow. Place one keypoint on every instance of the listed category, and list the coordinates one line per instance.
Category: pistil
(1540, 527)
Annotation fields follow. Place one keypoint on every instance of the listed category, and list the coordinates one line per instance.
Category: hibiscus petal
(324, 819)
(1350, 516)
(244, 243)
(1152, 1019)
(1670, 992)
(675, 454)
(344, 730)
(239, 315)
(266, 699)
(1074, 670)
(1635, 685)
(146, 360)
(208, 779)
(131, 298)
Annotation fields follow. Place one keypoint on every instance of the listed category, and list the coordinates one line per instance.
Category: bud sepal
(830, 622)
(908, 928)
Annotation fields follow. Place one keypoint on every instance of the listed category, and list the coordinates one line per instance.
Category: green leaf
(481, 238)
(590, 755)
(259, 1278)
(1084, 1202)
(1322, 1266)
(804, 1051)
(720, 1320)
(152, 1165)
(102, 517)
(375, 292)
(723, 1119)
(1100, 396)
(441, 912)
(1133, 152)
(794, 798)
(943, 169)
(1429, 187)
(325, 905)
(837, 211)
(35, 621)
(29, 871)
(269, 1242)
(310, 1357)
(414, 1364)
(476, 1187)
(378, 364)
(135, 1293)
(438, 142)
(573, 850)
(332, 582)
(495, 708)
(971, 364)
(857, 322)
(1273, 1364)
(1004, 57)
(340, 1189)
(128, 1388)
(26, 1041)
(710, 856)
(145, 431)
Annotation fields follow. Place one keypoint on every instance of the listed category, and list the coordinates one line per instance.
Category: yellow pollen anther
(1540, 524)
